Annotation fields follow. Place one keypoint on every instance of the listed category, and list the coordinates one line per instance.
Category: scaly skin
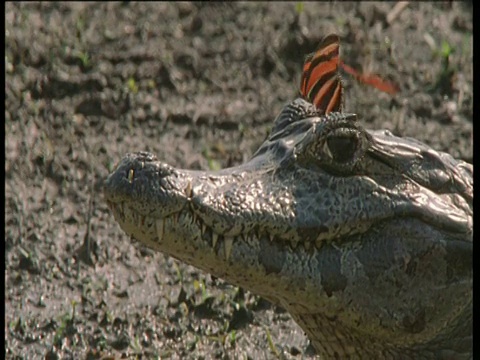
(365, 238)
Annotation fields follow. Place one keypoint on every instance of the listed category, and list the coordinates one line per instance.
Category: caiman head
(364, 237)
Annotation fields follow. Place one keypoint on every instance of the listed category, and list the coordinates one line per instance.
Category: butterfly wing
(321, 83)
(371, 80)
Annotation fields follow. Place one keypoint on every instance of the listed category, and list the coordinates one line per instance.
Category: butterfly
(321, 83)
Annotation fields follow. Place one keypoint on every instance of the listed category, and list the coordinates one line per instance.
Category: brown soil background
(198, 84)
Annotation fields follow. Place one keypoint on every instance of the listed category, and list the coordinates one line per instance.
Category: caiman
(365, 238)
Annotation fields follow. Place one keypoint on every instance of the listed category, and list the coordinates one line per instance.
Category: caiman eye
(341, 145)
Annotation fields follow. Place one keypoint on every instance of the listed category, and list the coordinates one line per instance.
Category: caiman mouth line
(222, 244)
(216, 242)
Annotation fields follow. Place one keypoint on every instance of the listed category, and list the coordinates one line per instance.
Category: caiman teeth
(160, 229)
(131, 174)
(228, 244)
(188, 190)
(214, 239)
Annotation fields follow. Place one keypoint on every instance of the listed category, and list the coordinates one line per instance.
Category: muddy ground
(198, 84)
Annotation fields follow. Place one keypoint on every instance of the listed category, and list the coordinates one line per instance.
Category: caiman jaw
(126, 216)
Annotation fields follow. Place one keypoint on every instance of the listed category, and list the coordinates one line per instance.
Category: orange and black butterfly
(321, 83)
